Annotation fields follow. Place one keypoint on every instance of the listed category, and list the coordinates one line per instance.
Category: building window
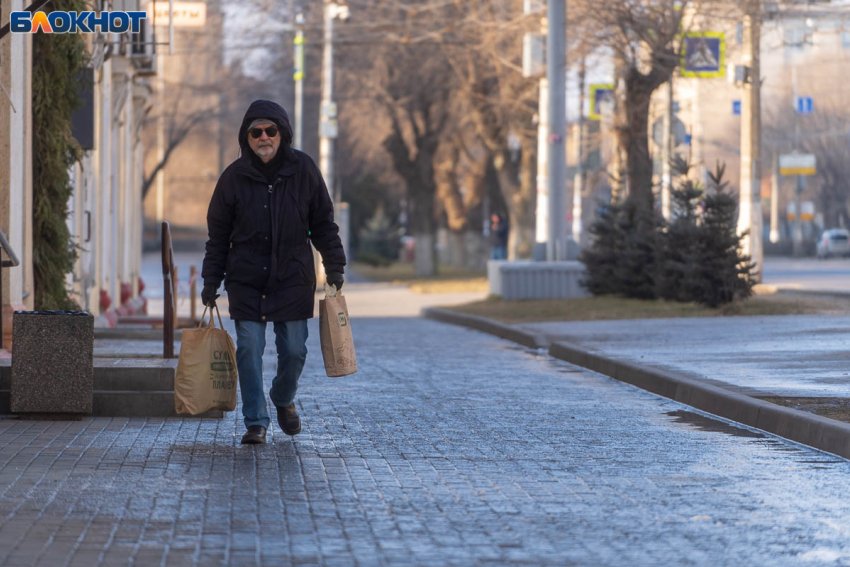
(798, 38)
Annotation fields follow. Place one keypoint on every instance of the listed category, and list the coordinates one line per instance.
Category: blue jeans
(291, 342)
(499, 253)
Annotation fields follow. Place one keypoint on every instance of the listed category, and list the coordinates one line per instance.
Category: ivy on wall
(56, 60)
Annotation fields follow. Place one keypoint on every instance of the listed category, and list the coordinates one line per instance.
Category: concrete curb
(772, 289)
(501, 330)
(814, 293)
(803, 427)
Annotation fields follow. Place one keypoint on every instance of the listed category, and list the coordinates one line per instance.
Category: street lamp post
(749, 216)
(578, 183)
(298, 77)
(327, 121)
(556, 165)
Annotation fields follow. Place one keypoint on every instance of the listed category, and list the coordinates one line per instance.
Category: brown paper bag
(206, 376)
(335, 334)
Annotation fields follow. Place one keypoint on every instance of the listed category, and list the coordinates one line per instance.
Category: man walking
(267, 207)
(498, 238)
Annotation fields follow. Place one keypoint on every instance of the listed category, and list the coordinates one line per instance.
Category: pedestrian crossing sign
(703, 54)
(601, 100)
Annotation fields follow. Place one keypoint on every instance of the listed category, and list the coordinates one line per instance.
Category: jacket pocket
(301, 260)
(232, 264)
(292, 268)
(248, 268)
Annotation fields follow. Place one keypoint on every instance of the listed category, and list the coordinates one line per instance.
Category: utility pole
(797, 237)
(160, 137)
(298, 77)
(327, 120)
(614, 128)
(774, 201)
(556, 170)
(542, 207)
(542, 163)
(667, 141)
(749, 216)
(578, 183)
(222, 93)
(667, 152)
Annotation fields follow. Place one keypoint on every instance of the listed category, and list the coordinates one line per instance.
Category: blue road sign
(805, 105)
(736, 107)
(703, 54)
(601, 100)
(688, 139)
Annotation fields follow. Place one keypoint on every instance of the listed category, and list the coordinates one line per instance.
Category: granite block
(52, 363)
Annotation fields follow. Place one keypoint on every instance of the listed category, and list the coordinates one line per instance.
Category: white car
(834, 242)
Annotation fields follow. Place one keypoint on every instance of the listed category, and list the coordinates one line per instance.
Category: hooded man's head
(264, 138)
(265, 130)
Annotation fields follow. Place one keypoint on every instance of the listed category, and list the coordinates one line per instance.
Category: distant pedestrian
(267, 207)
(498, 237)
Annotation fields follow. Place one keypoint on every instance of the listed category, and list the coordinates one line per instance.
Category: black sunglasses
(271, 132)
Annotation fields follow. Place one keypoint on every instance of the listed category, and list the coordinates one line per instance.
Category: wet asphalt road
(808, 273)
(449, 447)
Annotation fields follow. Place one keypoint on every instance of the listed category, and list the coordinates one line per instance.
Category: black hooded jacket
(260, 233)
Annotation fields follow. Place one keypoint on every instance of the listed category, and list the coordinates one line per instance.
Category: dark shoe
(256, 435)
(288, 419)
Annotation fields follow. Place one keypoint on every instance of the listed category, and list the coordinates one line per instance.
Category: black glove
(209, 295)
(335, 279)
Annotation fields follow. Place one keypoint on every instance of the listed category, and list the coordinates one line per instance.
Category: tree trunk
(525, 225)
(424, 264)
(459, 243)
(418, 176)
(448, 191)
(423, 227)
(639, 162)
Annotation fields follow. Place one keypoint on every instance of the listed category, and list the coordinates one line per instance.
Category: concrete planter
(52, 364)
(516, 280)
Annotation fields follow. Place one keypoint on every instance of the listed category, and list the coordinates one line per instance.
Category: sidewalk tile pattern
(449, 447)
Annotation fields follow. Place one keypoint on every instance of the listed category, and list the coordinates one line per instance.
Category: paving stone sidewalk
(449, 447)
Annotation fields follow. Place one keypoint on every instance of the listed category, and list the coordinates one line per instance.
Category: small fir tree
(601, 257)
(621, 258)
(636, 267)
(678, 254)
(723, 273)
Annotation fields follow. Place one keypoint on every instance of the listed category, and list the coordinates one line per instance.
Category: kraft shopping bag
(206, 376)
(335, 334)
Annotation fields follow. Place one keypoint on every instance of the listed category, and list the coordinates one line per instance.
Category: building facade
(105, 210)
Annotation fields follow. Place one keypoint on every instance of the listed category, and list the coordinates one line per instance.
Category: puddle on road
(537, 353)
(777, 445)
(704, 423)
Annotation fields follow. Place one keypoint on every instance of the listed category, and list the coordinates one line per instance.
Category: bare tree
(500, 104)
(464, 176)
(408, 84)
(418, 111)
(645, 39)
